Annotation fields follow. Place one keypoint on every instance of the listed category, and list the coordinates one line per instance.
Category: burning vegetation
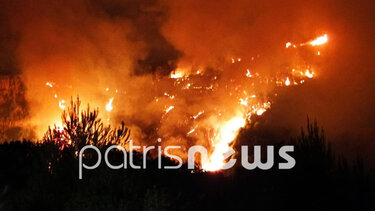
(137, 68)
(157, 73)
(201, 106)
(186, 81)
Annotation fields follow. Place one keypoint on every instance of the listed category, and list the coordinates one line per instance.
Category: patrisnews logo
(289, 163)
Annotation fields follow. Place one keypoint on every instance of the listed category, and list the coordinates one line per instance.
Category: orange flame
(320, 40)
(62, 104)
(109, 106)
(287, 82)
(227, 133)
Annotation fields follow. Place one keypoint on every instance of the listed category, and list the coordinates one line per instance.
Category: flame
(287, 81)
(169, 109)
(62, 104)
(191, 131)
(49, 84)
(62, 140)
(226, 135)
(248, 74)
(109, 107)
(236, 60)
(243, 101)
(59, 127)
(196, 116)
(178, 73)
(309, 74)
(320, 40)
(233, 93)
(260, 111)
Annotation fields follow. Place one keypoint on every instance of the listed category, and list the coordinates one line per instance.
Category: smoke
(207, 32)
(8, 44)
(81, 48)
(342, 100)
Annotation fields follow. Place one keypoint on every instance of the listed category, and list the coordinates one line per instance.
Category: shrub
(80, 128)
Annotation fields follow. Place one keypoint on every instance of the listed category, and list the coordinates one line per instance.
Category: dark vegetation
(44, 176)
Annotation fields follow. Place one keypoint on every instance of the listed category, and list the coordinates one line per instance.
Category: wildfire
(49, 84)
(169, 109)
(109, 106)
(234, 60)
(61, 139)
(260, 111)
(178, 73)
(196, 116)
(248, 74)
(287, 81)
(191, 131)
(309, 74)
(320, 40)
(289, 44)
(243, 102)
(240, 92)
(227, 132)
(62, 104)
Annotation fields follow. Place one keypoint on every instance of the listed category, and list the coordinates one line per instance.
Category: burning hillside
(183, 73)
(184, 81)
(202, 106)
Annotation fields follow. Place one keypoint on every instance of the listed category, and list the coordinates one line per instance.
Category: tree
(84, 127)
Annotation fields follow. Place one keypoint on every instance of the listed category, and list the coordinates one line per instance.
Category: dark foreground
(41, 177)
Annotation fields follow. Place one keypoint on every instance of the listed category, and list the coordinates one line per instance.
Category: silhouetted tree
(312, 149)
(42, 176)
(84, 127)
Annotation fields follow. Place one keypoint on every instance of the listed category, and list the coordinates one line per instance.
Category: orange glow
(191, 76)
(287, 82)
(260, 111)
(178, 73)
(49, 84)
(243, 102)
(109, 107)
(309, 74)
(213, 105)
(62, 104)
(248, 74)
(227, 132)
(196, 116)
(169, 109)
(320, 40)
(190, 132)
